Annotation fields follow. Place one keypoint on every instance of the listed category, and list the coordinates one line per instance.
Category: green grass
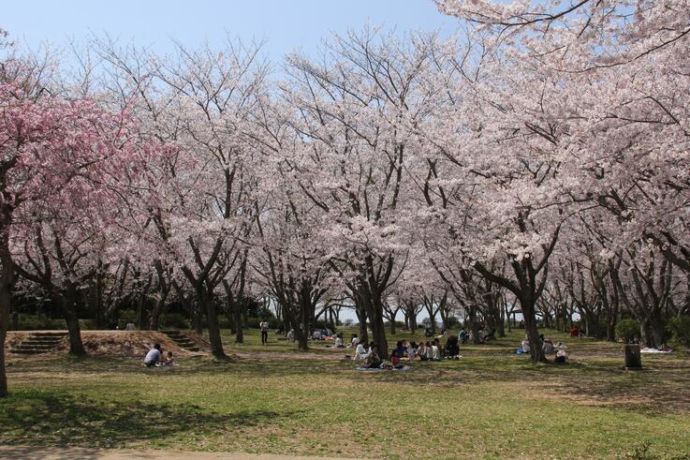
(489, 404)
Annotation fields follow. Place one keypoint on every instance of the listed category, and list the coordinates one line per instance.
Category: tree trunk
(196, 319)
(653, 329)
(5, 299)
(7, 279)
(432, 321)
(474, 327)
(206, 302)
(378, 328)
(412, 322)
(501, 329)
(237, 320)
(362, 317)
(302, 339)
(76, 346)
(529, 314)
(155, 319)
(69, 310)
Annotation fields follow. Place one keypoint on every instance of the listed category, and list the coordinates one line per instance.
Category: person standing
(263, 325)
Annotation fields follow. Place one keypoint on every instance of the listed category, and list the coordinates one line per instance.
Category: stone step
(49, 334)
(42, 341)
(181, 340)
(36, 345)
(30, 350)
(39, 342)
(184, 341)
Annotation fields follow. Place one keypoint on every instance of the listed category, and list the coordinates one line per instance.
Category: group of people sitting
(548, 347)
(368, 354)
(155, 357)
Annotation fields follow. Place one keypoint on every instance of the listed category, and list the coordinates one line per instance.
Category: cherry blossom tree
(354, 107)
(58, 152)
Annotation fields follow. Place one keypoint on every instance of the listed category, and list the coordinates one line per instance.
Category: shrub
(126, 316)
(322, 324)
(452, 322)
(39, 322)
(88, 325)
(680, 327)
(175, 321)
(252, 322)
(628, 330)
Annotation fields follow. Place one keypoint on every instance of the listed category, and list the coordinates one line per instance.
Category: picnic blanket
(378, 369)
(655, 350)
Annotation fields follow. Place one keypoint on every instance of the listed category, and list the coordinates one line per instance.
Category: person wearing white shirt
(361, 353)
(435, 351)
(263, 325)
(153, 357)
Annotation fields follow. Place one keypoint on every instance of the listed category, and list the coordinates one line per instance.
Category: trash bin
(633, 359)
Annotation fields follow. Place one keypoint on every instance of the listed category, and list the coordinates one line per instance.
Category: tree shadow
(54, 419)
(660, 389)
(656, 391)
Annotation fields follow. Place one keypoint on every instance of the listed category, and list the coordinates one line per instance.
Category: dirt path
(68, 453)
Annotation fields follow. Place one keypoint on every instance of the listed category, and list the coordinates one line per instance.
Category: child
(168, 360)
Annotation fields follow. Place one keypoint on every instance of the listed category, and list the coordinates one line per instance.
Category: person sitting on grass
(361, 352)
(547, 346)
(523, 348)
(339, 342)
(463, 336)
(421, 350)
(412, 351)
(168, 360)
(452, 350)
(400, 350)
(153, 357)
(373, 358)
(355, 341)
(561, 354)
(435, 350)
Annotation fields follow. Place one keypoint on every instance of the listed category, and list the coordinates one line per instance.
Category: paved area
(68, 453)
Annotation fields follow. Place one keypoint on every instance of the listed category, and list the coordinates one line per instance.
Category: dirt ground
(113, 343)
(56, 453)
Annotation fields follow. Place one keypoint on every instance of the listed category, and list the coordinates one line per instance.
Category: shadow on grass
(54, 419)
(655, 391)
(660, 389)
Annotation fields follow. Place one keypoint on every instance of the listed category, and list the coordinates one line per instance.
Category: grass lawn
(489, 404)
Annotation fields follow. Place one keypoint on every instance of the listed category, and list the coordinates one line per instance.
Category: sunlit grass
(489, 404)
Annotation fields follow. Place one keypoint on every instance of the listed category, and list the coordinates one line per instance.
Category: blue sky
(285, 26)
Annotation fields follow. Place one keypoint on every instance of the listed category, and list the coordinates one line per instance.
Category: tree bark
(214, 338)
(69, 310)
(5, 299)
(7, 279)
(237, 321)
(529, 313)
(362, 317)
(378, 327)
